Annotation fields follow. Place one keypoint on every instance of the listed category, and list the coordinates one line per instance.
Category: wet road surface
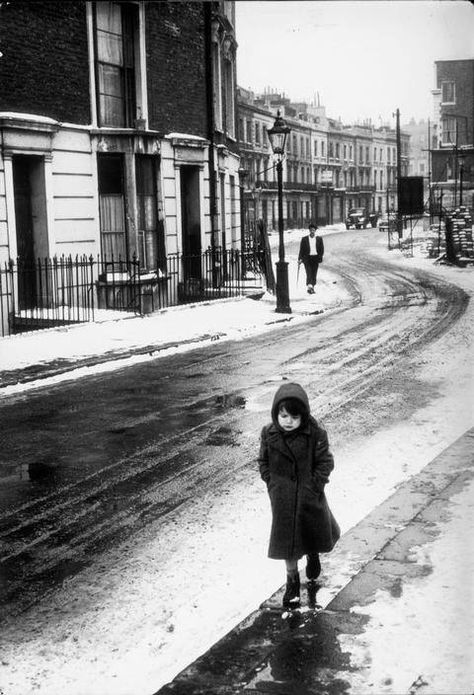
(86, 464)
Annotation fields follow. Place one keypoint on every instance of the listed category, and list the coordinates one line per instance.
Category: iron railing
(214, 274)
(58, 291)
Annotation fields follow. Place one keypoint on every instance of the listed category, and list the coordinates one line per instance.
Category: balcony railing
(287, 186)
(312, 187)
(366, 188)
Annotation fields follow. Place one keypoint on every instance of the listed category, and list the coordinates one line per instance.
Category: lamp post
(243, 173)
(278, 136)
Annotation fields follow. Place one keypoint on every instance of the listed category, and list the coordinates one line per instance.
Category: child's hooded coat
(296, 467)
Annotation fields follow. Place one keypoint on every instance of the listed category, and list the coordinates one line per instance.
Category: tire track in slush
(61, 533)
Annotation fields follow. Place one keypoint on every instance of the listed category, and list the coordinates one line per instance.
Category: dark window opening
(113, 233)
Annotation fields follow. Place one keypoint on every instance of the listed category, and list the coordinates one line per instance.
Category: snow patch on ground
(419, 623)
(180, 585)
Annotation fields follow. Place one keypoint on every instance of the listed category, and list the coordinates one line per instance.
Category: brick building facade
(117, 122)
(452, 157)
(329, 167)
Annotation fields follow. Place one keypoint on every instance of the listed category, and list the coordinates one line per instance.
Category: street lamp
(278, 136)
(243, 173)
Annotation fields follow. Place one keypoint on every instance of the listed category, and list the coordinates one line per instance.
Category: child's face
(288, 422)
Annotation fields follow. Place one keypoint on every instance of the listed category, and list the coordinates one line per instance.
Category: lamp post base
(282, 292)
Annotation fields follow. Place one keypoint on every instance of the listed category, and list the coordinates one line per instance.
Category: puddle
(39, 471)
(230, 400)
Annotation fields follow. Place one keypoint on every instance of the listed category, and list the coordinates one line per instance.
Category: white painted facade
(68, 222)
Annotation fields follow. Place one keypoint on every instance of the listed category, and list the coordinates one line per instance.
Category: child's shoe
(313, 567)
(292, 593)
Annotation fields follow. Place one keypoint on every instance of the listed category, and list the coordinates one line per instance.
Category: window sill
(110, 130)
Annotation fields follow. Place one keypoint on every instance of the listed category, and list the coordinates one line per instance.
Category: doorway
(190, 225)
(31, 224)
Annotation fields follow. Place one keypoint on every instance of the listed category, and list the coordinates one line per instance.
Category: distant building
(419, 161)
(421, 133)
(329, 167)
(453, 150)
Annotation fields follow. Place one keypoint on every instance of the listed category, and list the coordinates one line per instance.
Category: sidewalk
(400, 622)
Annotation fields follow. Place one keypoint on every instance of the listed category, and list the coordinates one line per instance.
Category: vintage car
(359, 218)
(388, 222)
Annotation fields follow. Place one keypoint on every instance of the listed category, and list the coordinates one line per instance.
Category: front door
(22, 175)
(191, 225)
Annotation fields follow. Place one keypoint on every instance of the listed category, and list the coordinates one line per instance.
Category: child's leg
(292, 592)
(291, 566)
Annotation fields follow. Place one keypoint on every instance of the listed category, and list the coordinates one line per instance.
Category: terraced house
(329, 168)
(452, 147)
(118, 163)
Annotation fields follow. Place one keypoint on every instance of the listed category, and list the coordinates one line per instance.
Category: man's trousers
(311, 265)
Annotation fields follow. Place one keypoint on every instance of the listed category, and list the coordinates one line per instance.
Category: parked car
(359, 218)
(388, 222)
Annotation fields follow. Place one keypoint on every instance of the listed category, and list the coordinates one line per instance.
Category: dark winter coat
(296, 467)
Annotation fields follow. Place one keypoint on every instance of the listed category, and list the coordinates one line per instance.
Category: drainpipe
(210, 132)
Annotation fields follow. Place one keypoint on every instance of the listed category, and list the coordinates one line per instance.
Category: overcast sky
(365, 58)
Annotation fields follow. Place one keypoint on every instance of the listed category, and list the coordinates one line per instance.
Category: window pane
(110, 81)
(109, 17)
(109, 48)
(109, 32)
(147, 210)
(113, 246)
(111, 111)
(112, 226)
(149, 206)
(447, 92)
(111, 213)
(151, 249)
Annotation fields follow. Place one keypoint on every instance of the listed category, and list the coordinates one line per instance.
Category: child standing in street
(295, 463)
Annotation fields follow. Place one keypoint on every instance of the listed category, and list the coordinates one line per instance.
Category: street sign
(411, 195)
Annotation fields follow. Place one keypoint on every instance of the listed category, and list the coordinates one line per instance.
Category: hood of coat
(289, 390)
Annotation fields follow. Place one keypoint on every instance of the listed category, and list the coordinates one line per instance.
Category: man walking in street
(311, 255)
